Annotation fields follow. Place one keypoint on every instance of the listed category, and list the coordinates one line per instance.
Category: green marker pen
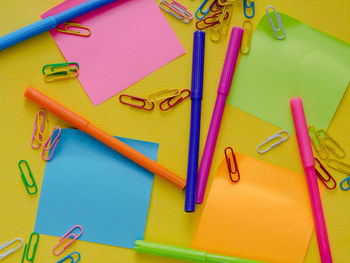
(186, 253)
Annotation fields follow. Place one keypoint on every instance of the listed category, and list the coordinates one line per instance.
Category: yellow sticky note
(265, 216)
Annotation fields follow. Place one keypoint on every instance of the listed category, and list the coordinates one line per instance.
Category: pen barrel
(84, 125)
(193, 151)
(197, 65)
(80, 10)
(230, 60)
(209, 147)
(57, 109)
(302, 132)
(27, 32)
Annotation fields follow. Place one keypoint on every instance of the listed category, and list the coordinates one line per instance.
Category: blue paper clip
(347, 180)
(245, 6)
(204, 13)
(70, 256)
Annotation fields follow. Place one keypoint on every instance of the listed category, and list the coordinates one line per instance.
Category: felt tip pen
(85, 126)
(308, 161)
(196, 97)
(186, 253)
(223, 91)
(50, 22)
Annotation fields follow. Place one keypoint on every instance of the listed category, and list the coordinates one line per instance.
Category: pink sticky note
(130, 39)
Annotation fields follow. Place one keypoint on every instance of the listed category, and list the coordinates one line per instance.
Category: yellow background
(167, 223)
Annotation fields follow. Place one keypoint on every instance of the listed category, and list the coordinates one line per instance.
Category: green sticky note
(307, 63)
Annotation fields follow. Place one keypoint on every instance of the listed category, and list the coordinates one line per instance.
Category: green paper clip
(25, 181)
(27, 248)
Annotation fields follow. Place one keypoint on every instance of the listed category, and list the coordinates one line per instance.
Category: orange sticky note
(266, 216)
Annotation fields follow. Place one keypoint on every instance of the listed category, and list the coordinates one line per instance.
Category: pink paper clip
(39, 136)
(48, 146)
(69, 234)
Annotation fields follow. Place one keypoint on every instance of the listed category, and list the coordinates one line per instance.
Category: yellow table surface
(167, 222)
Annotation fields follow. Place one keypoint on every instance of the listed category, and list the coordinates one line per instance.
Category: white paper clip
(6, 244)
(280, 24)
(277, 135)
(176, 10)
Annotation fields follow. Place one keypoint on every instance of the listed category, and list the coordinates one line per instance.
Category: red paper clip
(232, 163)
(320, 169)
(218, 6)
(210, 23)
(172, 102)
(144, 102)
(66, 236)
(48, 146)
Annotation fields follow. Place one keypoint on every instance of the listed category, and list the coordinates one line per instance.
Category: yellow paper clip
(60, 71)
(163, 94)
(247, 37)
(331, 144)
(220, 29)
(338, 165)
(69, 25)
(8, 243)
(40, 130)
(318, 143)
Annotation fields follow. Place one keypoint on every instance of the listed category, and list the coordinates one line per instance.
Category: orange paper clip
(48, 145)
(139, 103)
(320, 171)
(172, 102)
(68, 235)
(232, 163)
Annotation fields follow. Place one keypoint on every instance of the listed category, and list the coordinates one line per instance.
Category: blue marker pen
(196, 97)
(50, 22)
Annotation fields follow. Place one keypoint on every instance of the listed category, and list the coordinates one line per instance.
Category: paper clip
(277, 135)
(27, 248)
(67, 30)
(6, 244)
(317, 143)
(280, 24)
(171, 102)
(176, 10)
(60, 71)
(48, 146)
(246, 6)
(231, 164)
(228, 2)
(39, 135)
(221, 28)
(25, 181)
(163, 94)
(144, 103)
(320, 171)
(207, 21)
(215, 4)
(200, 10)
(70, 256)
(66, 236)
(338, 165)
(247, 37)
(346, 180)
(331, 144)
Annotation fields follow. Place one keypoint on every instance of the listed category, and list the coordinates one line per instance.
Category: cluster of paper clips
(177, 10)
(60, 71)
(72, 28)
(232, 165)
(167, 99)
(331, 152)
(40, 135)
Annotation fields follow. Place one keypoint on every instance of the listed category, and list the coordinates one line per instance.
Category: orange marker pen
(115, 144)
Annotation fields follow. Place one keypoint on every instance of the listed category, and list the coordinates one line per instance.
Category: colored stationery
(315, 68)
(50, 22)
(129, 40)
(84, 125)
(309, 166)
(196, 97)
(89, 184)
(265, 216)
(223, 91)
(185, 253)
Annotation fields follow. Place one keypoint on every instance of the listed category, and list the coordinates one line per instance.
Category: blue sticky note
(86, 183)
